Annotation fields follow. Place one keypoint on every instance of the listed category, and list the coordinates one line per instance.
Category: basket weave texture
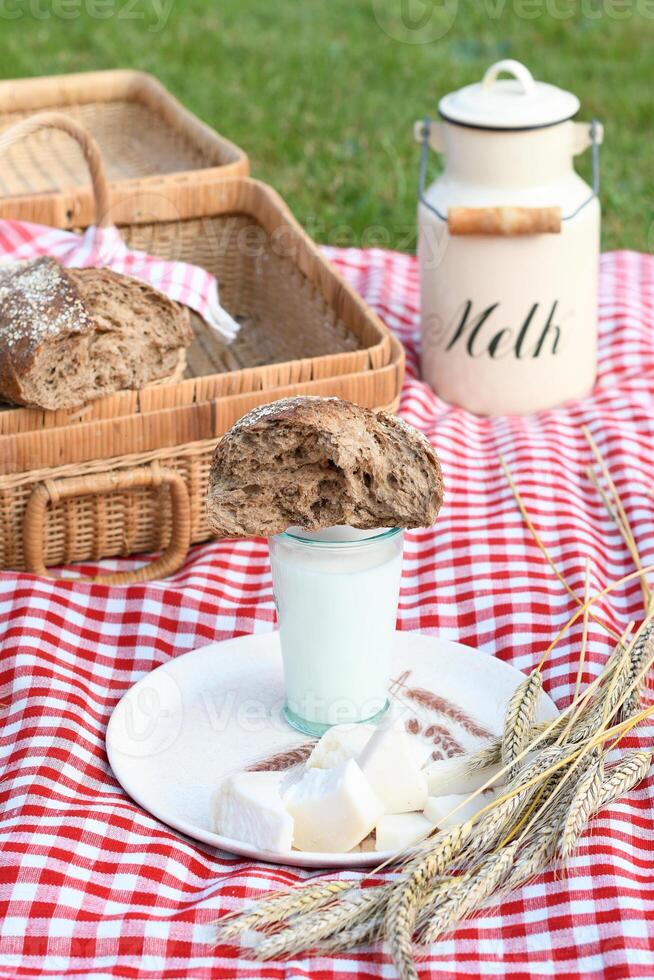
(149, 143)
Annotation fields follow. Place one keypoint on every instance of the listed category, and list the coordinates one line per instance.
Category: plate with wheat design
(216, 710)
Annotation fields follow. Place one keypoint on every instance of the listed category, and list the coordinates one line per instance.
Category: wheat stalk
(590, 713)
(615, 678)
(541, 847)
(519, 718)
(584, 632)
(620, 517)
(593, 599)
(543, 549)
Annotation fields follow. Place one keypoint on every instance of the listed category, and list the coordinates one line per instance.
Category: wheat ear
(497, 822)
(310, 929)
(469, 894)
(643, 649)
(519, 718)
(584, 801)
(626, 673)
(537, 850)
(276, 908)
(623, 776)
(484, 758)
(589, 712)
(369, 931)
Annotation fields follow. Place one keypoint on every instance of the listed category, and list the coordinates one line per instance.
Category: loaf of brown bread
(317, 462)
(68, 336)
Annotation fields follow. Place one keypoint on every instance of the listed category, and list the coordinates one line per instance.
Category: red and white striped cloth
(92, 886)
(104, 247)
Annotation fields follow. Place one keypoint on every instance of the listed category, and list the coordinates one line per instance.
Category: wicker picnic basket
(128, 473)
(150, 143)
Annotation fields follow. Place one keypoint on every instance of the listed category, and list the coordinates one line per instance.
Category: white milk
(336, 593)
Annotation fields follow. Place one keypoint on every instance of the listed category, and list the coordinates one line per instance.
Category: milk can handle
(515, 68)
(595, 139)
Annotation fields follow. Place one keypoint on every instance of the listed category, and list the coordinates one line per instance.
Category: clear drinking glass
(336, 593)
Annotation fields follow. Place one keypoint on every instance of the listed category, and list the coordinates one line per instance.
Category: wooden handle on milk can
(504, 221)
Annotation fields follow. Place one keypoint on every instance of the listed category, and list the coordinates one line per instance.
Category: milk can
(509, 247)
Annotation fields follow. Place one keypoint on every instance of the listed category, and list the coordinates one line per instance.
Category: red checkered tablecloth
(92, 886)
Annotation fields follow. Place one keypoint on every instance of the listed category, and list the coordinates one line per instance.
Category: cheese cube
(438, 808)
(390, 765)
(333, 809)
(248, 807)
(397, 831)
(447, 776)
(338, 744)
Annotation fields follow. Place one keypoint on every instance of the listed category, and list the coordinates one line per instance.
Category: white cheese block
(397, 831)
(447, 776)
(248, 807)
(438, 808)
(333, 809)
(390, 765)
(338, 744)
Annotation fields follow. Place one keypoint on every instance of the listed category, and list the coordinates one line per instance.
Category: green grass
(323, 98)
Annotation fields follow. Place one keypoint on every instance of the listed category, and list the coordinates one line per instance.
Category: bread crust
(38, 301)
(85, 316)
(316, 462)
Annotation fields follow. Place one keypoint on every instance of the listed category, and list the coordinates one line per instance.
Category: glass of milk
(336, 593)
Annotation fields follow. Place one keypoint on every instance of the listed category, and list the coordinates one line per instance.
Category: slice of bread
(68, 336)
(317, 462)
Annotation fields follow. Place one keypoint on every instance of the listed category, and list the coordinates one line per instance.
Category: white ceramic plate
(216, 710)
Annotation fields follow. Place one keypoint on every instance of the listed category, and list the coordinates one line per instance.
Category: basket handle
(88, 146)
(52, 491)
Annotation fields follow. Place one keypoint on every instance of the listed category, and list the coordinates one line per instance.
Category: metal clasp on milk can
(509, 247)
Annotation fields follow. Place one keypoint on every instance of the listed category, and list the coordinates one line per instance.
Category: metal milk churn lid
(508, 247)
